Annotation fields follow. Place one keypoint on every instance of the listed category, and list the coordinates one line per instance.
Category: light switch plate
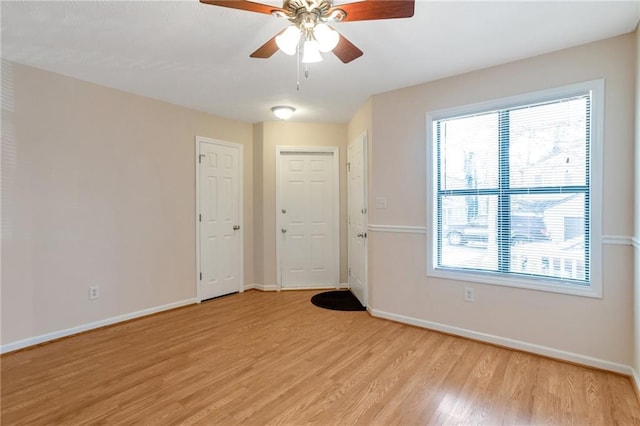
(381, 203)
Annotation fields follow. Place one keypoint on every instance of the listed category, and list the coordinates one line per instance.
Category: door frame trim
(365, 172)
(239, 147)
(335, 151)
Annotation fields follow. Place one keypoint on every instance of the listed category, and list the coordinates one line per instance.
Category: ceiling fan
(309, 21)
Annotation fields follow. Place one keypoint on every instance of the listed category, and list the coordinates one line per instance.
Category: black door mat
(338, 300)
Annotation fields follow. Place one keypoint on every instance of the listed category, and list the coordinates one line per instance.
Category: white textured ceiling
(197, 55)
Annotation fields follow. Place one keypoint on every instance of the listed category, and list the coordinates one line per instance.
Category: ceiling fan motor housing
(304, 13)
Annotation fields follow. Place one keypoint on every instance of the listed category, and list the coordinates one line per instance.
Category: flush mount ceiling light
(283, 112)
(309, 32)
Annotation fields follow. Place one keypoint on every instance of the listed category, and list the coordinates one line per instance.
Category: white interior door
(308, 218)
(357, 217)
(220, 215)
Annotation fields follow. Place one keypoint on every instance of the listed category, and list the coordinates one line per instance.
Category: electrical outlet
(94, 292)
(468, 294)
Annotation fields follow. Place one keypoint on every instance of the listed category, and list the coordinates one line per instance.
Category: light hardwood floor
(274, 358)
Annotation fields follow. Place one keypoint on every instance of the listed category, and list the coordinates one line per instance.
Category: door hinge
(200, 158)
(200, 276)
(348, 167)
(349, 270)
(200, 217)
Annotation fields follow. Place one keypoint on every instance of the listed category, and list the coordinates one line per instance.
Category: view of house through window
(512, 191)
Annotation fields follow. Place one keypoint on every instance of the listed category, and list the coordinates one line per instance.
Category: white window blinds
(512, 190)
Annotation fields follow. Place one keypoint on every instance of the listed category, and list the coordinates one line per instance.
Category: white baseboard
(265, 287)
(20, 344)
(635, 381)
(273, 287)
(320, 287)
(511, 343)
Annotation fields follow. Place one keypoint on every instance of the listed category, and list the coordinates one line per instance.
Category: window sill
(538, 284)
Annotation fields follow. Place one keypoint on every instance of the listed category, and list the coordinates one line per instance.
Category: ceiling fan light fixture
(326, 37)
(283, 112)
(311, 52)
(288, 40)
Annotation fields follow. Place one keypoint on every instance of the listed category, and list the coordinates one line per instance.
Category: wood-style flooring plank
(275, 359)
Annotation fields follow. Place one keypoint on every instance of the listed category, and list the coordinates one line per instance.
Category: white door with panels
(219, 166)
(307, 209)
(357, 216)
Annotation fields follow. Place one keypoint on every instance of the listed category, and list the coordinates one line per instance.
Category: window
(516, 191)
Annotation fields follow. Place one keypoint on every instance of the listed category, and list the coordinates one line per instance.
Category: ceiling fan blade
(367, 10)
(346, 51)
(243, 5)
(268, 49)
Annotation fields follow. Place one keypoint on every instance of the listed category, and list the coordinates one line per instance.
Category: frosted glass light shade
(288, 40)
(326, 37)
(283, 112)
(311, 52)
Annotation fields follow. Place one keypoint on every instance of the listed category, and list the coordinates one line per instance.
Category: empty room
(378, 212)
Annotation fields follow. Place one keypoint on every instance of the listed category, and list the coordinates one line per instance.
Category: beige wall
(258, 238)
(360, 122)
(599, 328)
(636, 363)
(277, 133)
(98, 188)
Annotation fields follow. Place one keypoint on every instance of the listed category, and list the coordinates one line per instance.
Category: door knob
(284, 230)
(360, 235)
(236, 227)
(284, 210)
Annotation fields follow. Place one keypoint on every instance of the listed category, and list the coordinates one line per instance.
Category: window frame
(595, 177)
